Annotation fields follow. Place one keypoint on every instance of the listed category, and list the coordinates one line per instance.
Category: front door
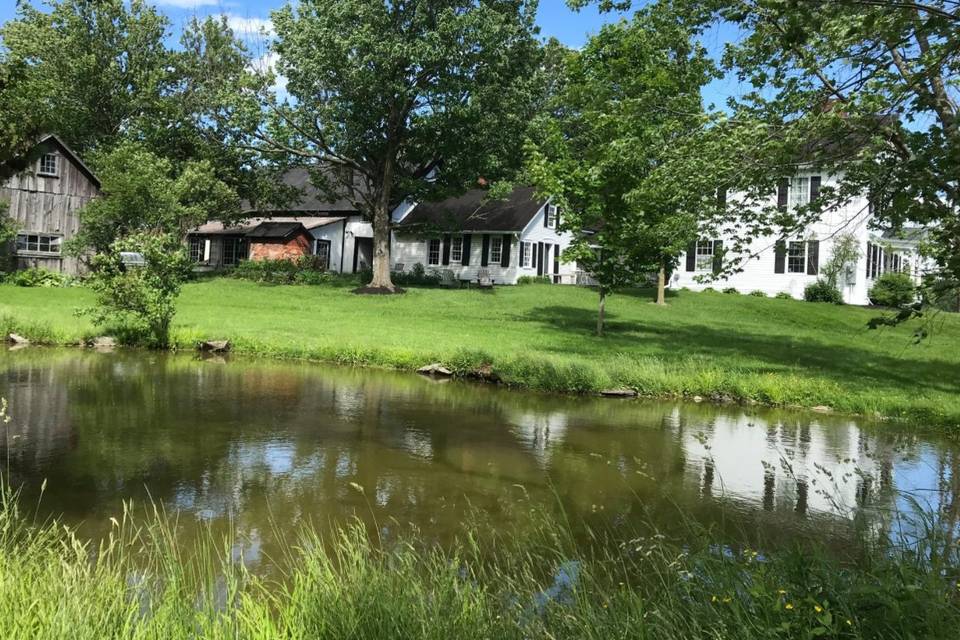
(362, 254)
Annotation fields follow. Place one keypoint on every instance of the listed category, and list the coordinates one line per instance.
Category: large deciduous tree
(390, 90)
(610, 150)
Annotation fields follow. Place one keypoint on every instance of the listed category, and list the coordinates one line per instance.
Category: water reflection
(261, 447)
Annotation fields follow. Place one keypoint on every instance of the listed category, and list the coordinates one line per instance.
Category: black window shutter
(692, 256)
(721, 197)
(546, 215)
(505, 250)
(783, 190)
(717, 256)
(780, 259)
(813, 257)
(446, 249)
(485, 252)
(556, 219)
(814, 188)
(533, 254)
(465, 251)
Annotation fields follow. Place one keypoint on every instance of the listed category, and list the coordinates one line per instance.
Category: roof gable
(474, 211)
(61, 146)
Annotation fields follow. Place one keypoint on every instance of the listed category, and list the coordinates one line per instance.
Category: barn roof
(475, 211)
(310, 200)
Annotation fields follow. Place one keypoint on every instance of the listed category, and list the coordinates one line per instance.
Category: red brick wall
(300, 245)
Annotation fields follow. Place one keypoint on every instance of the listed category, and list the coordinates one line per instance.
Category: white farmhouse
(471, 234)
(790, 264)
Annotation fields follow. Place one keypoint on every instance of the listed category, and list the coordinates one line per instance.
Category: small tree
(141, 299)
(843, 256)
(8, 231)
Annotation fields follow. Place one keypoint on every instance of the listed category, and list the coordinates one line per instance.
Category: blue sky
(554, 17)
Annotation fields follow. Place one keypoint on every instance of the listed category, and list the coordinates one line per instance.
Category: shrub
(783, 295)
(39, 278)
(893, 290)
(418, 276)
(708, 290)
(533, 280)
(731, 290)
(303, 270)
(822, 291)
(758, 294)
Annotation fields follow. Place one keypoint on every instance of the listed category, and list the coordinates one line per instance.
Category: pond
(255, 448)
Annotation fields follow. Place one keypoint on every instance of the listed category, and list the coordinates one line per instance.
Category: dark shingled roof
(312, 199)
(474, 212)
(276, 230)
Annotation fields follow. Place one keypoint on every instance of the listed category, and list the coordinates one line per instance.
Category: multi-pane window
(456, 248)
(526, 254)
(39, 243)
(197, 248)
(322, 251)
(705, 254)
(799, 194)
(496, 249)
(797, 257)
(433, 251)
(234, 250)
(551, 216)
(48, 164)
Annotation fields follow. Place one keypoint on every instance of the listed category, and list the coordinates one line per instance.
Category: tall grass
(139, 583)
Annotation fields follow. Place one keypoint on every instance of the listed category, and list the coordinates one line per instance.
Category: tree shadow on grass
(780, 351)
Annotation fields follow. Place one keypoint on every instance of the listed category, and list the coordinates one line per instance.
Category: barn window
(496, 249)
(797, 257)
(48, 164)
(197, 248)
(433, 251)
(456, 248)
(234, 250)
(39, 243)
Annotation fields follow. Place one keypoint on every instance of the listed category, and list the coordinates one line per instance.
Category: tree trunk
(662, 285)
(381, 282)
(602, 311)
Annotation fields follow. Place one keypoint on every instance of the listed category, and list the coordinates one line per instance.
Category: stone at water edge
(215, 346)
(16, 339)
(618, 393)
(435, 369)
(822, 408)
(103, 342)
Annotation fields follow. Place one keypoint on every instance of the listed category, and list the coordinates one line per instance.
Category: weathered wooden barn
(45, 202)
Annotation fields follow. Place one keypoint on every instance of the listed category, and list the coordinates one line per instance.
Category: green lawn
(779, 352)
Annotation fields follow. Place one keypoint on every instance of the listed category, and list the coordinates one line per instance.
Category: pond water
(258, 447)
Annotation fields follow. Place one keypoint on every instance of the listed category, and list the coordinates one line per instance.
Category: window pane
(797, 257)
(496, 244)
(705, 255)
(48, 163)
(433, 255)
(456, 249)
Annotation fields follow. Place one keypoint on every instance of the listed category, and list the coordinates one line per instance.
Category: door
(362, 254)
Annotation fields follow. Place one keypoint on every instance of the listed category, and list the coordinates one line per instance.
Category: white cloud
(249, 26)
(268, 62)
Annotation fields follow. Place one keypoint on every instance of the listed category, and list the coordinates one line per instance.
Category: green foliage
(822, 291)
(417, 277)
(140, 299)
(893, 290)
(143, 192)
(37, 277)
(8, 231)
(758, 294)
(304, 270)
(783, 295)
(524, 280)
(843, 258)
(731, 290)
(348, 584)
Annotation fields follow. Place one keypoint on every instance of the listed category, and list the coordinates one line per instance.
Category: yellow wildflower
(818, 608)
(849, 623)
(788, 606)
(782, 592)
(726, 600)
(713, 599)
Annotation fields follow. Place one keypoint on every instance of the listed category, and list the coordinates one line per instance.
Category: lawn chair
(483, 279)
(447, 279)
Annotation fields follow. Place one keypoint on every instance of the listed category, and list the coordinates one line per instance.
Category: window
(322, 252)
(48, 164)
(799, 193)
(456, 248)
(705, 253)
(38, 243)
(433, 251)
(197, 248)
(551, 216)
(234, 250)
(526, 254)
(797, 257)
(496, 249)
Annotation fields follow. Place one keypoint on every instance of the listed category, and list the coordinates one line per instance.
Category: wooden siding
(49, 204)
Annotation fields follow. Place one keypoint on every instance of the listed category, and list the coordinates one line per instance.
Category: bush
(758, 294)
(533, 280)
(39, 278)
(731, 290)
(303, 270)
(417, 276)
(783, 295)
(822, 291)
(893, 290)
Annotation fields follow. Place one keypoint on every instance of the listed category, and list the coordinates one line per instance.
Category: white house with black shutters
(788, 265)
(473, 233)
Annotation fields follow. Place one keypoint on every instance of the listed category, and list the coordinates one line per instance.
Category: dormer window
(48, 164)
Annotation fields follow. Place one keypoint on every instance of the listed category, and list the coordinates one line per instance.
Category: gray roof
(276, 230)
(311, 200)
(474, 211)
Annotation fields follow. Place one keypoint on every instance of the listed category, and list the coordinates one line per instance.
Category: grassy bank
(141, 584)
(713, 345)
